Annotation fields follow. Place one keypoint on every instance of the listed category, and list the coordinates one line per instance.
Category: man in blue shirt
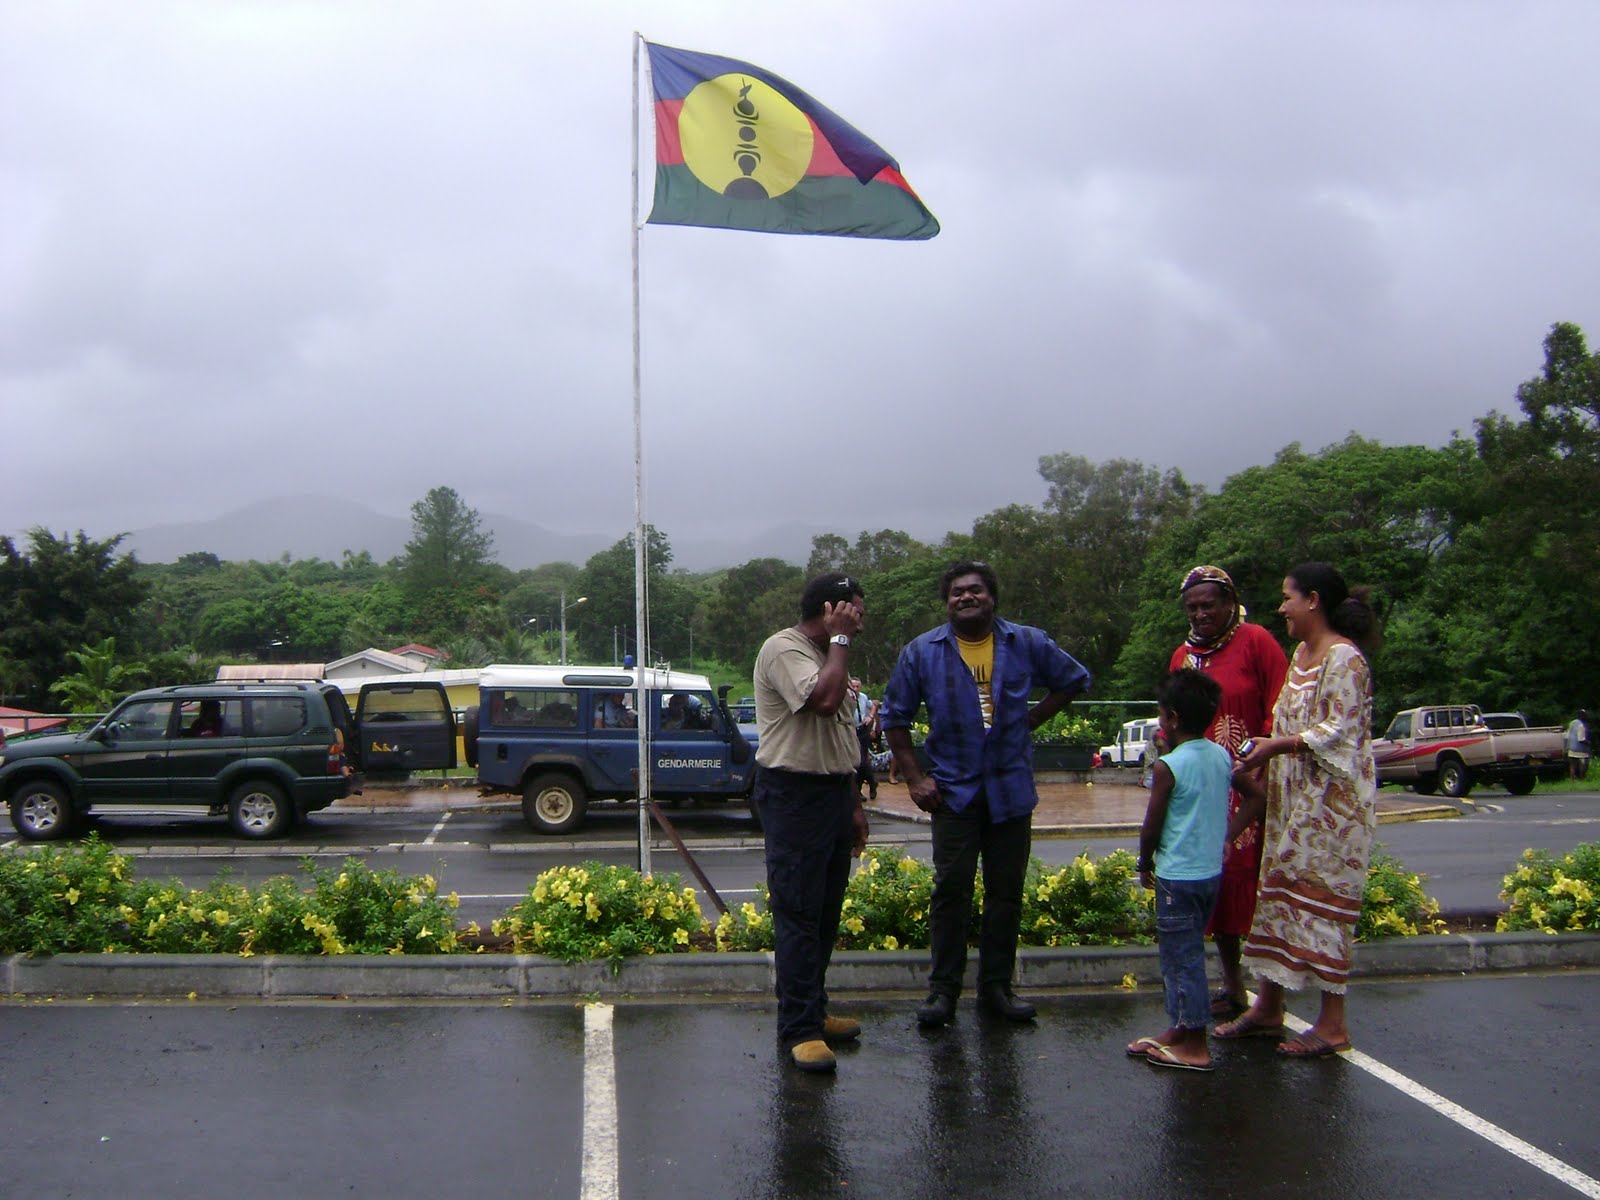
(975, 675)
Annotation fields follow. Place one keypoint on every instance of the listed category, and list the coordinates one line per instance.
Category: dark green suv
(263, 753)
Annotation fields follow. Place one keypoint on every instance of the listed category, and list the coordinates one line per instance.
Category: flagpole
(643, 703)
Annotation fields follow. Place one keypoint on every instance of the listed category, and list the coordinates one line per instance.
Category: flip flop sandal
(1144, 1047)
(1246, 1027)
(1311, 1045)
(1164, 1057)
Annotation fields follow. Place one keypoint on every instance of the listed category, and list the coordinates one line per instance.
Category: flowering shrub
(60, 901)
(1066, 729)
(596, 911)
(1086, 903)
(1393, 902)
(747, 927)
(84, 899)
(886, 902)
(1553, 894)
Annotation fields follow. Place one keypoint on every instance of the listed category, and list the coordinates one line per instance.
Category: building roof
(386, 659)
(244, 672)
(21, 720)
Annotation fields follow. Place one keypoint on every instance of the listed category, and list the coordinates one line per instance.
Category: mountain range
(310, 526)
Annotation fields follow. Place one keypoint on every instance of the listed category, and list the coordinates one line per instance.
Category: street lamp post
(564, 607)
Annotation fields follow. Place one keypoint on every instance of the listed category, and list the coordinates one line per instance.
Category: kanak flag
(738, 147)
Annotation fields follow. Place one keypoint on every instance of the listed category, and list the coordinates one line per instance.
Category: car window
(688, 711)
(276, 716)
(1400, 727)
(143, 719)
(532, 708)
(211, 718)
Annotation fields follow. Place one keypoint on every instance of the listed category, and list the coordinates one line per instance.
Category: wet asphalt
(252, 1100)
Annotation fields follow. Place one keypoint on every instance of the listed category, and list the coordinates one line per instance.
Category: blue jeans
(1183, 906)
(810, 830)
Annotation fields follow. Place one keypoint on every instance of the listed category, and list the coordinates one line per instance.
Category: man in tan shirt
(809, 809)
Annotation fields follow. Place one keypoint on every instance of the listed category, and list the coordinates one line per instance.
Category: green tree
(1072, 566)
(750, 602)
(446, 560)
(100, 681)
(62, 593)
(1384, 515)
(1515, 594)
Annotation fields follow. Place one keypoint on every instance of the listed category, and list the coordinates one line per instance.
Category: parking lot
(692, 1099)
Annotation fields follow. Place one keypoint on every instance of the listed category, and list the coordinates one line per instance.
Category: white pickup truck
(1449, 748)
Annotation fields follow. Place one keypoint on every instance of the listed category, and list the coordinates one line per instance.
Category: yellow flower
(72, 895)
(591, 907)
(1129, 982)
(681, 936)
(343, 881)
(890, 942)
(855, 925)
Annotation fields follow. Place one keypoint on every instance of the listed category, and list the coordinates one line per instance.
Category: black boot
(998, 1000)
(938, 1009)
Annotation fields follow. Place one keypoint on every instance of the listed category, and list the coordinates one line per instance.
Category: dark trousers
(864, 773)
(809, 823)
(959, 840)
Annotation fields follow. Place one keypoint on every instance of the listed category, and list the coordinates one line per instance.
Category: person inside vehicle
(611, 712)
(208, 722)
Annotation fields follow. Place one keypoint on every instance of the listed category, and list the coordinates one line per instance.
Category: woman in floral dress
(1321, 812)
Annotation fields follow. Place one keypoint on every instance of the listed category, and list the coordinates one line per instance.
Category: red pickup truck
(1449, 748)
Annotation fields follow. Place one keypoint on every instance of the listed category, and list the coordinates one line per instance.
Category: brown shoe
(840, 1029)
(813, 1056)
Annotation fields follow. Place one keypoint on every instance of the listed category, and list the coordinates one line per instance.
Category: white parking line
(433, 834)
(600, 1178)
(1469, 1121)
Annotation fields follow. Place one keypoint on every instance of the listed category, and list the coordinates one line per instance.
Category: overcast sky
(252, 249)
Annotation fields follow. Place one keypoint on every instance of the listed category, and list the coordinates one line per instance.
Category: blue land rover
(562, 736)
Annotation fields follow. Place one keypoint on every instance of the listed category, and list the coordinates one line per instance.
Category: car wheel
(1426, 785)
(1455, 780)
(41, 811)
(469, 734)
(1520, 784)
(259, 809)
(553, 803)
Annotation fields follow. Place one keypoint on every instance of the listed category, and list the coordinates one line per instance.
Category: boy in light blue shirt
(1180, 857)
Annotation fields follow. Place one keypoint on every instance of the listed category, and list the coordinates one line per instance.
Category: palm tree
(99, 680)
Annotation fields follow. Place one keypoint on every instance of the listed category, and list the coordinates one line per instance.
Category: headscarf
(1197, 648)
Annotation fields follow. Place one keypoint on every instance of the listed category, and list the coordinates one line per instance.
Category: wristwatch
(840, 639)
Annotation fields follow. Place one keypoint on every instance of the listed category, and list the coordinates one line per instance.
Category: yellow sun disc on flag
(743, 139)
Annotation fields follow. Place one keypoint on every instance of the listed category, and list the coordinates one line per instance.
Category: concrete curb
(530, 977)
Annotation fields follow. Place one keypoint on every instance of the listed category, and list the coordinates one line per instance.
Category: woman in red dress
(1250, 666)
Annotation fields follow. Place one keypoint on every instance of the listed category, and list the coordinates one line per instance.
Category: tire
(1426, 785)
(1455, 780)
(41, 811)
(469, 734)
(258, 808)
(553, 803)
(1521, 783)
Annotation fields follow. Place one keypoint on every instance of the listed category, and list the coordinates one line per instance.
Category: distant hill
(322, 527)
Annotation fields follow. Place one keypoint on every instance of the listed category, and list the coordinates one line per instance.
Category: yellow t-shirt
(979, 657)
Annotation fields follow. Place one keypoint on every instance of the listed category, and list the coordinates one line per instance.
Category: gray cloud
(364, 249)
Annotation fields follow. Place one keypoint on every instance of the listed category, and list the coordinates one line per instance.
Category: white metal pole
(563, 627)
(642, 705)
